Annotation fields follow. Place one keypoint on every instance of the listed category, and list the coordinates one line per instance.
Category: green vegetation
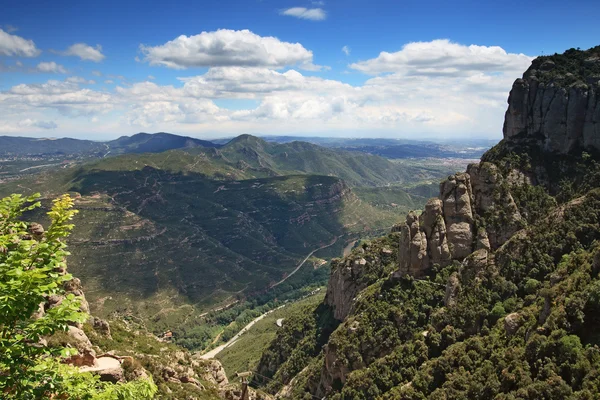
(32, 265)
(169, 236)
(522, 324)
(245, 353)
(574, 66)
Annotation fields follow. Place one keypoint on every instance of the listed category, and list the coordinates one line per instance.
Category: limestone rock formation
(448, 229)
(355, 272)
(86, 355)
(490, 196)
(457, 198)
(555, 106)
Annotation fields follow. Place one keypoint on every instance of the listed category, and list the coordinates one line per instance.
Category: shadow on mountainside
(196, 235)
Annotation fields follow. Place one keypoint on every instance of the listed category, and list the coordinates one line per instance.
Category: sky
(353, 68)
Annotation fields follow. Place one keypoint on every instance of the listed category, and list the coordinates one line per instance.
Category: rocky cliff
(557, 102)
(493, 275)
(453, 225)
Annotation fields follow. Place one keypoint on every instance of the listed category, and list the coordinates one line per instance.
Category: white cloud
(67, 98)
(399, 99)
(226, 47)
(27, 123)
(97, 73)
(51, 67)
(313, 14)
(13, 45)
(109, 82)
(85, 52)
(346, 50)
(151, 77)
(80, 80)
(444, 58)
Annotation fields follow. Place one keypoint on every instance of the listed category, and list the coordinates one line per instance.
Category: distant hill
(139, 143)
(399, 148)
(356, 169)
(159, 142)
(155, 143)
(21, 146)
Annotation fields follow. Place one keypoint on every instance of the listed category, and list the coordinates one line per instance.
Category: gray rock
(456, 196)
(452, 290)
(512, 323)
(562, 117)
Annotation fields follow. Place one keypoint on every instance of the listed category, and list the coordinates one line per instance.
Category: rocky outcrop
(215, 373)
(558, 105)
(447, 229)
(491, 196)
(351, 274)
(456, 195)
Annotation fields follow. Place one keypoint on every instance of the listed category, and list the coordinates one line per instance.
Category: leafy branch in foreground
(32, 268)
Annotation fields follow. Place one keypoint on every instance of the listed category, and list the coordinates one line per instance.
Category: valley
(167, 236)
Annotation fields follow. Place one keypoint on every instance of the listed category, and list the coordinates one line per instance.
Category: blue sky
(103, 69)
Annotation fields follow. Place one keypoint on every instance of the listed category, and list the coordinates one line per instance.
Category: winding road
(303, 261)
(213, 353)
(217, 350)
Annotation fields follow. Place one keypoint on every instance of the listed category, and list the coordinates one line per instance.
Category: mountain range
(167, 235)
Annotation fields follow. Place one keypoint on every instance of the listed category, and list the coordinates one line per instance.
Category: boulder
(512, 323)
(86, 355)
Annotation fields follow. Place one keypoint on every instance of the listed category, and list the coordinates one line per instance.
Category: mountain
(155, 143)
(20, 146)
(139, 143)
(168, 236)
(399, 148)
(356, 169)
(493, 291)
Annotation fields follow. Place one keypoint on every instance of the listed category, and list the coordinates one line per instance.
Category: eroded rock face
(456, 195)
(434, 227)
(559, 109)
(412, 256)
(86, 355)
(355, 272)
(491, 195)
(216, 373)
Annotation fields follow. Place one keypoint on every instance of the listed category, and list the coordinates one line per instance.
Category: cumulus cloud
(346, 50)
(226, 47)
(313, 14)
(400, 98)
(442, 57)
(51, 67)
(13, 45)
(85, 52)
(67, 98)
(97, 73)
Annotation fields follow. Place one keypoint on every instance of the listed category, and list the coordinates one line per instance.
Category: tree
(32, 268)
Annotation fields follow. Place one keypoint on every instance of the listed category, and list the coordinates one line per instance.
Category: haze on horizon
(300, 68)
